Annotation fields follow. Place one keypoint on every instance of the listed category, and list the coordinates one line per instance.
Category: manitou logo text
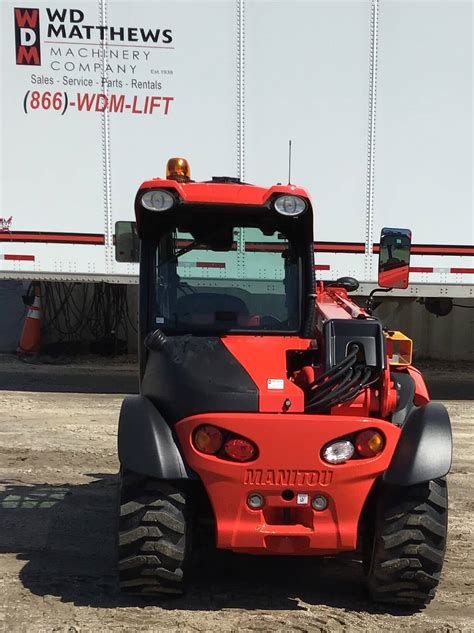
(27, 37)
(288, 477)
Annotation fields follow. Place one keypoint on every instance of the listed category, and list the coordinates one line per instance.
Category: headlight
(290, 205)
(157, 200)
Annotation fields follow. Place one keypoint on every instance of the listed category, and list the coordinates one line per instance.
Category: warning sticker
(275, 383)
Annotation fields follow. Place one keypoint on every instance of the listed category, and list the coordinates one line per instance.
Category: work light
(338, 452)
(290, 205)
(157, 200)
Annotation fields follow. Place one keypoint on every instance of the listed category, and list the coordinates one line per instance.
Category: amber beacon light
(178, 169)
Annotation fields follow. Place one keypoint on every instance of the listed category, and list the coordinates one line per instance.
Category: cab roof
(219, 192)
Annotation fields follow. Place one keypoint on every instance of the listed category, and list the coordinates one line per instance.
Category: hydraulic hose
(355, 391)
(348, 360)
(320, 394)
(339, 383)
(338, 393)
(349, 388)
(332, 379)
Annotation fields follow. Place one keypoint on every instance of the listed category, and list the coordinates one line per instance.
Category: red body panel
(223, 193)
(289, 459)
(264, 358)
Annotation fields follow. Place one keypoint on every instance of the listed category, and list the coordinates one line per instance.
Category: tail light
(211, 440)
(366, 443)
(208, 439)
(240, 449)
(369, 443)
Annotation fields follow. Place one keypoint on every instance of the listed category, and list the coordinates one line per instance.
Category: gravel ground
(58, 469)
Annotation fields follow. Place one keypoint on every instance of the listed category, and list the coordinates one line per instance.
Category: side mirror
(394, 258)
(127, 242)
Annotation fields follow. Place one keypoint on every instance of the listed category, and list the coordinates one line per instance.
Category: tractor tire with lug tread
(153, 537)
(409, 544)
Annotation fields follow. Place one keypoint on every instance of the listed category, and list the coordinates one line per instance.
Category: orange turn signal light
(208, 439)
(369, 443)
(178, 169)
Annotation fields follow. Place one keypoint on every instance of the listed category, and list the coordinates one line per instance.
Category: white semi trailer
(374, 94)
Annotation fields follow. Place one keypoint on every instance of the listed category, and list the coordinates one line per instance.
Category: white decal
(275, 383)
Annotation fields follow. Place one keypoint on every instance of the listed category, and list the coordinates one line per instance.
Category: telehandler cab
(271, 406)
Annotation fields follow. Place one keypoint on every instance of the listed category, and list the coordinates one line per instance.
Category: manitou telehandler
(271, 405)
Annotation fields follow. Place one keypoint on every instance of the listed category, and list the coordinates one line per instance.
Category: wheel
(409, 542)
(153, 536)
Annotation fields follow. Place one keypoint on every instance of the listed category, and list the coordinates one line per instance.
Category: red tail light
(369, 443)
(223, 444)
(240, 449)
(208, 439)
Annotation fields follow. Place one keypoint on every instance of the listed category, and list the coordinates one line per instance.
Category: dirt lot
(57, 499)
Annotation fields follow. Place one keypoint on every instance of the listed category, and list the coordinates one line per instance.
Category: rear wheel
(153, 536)
(409, 542)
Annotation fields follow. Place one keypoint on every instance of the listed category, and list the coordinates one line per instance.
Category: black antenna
(289, 162)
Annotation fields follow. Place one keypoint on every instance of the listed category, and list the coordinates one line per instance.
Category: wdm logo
(27, 37)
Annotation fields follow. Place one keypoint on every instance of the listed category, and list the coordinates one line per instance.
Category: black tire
(153, 537)
(409, 542)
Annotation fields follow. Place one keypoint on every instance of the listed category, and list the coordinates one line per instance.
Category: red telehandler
(271, 406)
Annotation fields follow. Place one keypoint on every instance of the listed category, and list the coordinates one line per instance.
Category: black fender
(424, 450)
(146, 444)
(405, 386)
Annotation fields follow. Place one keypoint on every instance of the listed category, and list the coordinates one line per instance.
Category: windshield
(229, 279)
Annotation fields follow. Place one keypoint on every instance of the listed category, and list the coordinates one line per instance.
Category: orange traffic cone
(31, 334)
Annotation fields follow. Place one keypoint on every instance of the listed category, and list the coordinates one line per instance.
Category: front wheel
(409, 542)
(153, 536)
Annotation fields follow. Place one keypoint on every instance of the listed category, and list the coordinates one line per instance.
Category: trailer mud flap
(424, 450)
(145, 442)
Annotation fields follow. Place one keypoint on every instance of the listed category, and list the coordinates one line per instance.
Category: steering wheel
(269, 321)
